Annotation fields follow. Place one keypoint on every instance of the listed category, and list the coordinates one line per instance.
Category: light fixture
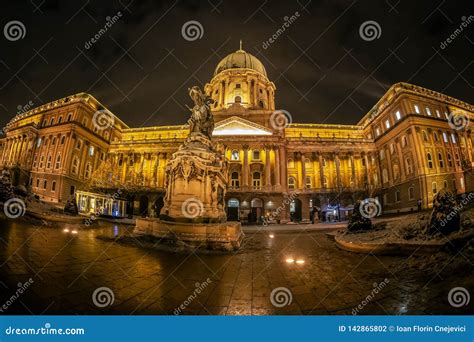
(290, 260)
(271, 236)
(300, 261)
(74, 231)
(66, 230)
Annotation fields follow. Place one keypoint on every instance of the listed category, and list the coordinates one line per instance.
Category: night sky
(142, 66)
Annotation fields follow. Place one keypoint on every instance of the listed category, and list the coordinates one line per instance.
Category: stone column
(246, 166)
(303, 172)
(321, 170)
(401, 159)
(353, 170)
(268, 176)
(277, 166)
(283, 165)
(338, 170)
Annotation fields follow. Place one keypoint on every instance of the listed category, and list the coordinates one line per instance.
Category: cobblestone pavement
(67, 268)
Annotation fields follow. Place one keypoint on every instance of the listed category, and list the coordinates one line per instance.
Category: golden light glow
(290, 260)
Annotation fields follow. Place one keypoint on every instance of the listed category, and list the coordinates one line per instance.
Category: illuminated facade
(403, 150)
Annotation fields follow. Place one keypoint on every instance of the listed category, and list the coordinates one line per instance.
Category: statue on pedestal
(201, 120)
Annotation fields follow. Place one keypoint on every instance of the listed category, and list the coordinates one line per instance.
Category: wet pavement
(291, 273)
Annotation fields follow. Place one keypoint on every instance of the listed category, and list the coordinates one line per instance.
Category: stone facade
(405, 149)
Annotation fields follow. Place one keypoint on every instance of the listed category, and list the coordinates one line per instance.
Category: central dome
(240, 59)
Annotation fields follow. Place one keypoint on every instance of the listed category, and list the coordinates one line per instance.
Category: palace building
(413, 143)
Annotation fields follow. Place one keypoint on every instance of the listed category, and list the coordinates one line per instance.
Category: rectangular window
(45, 184)
(438, 114)
(417, 109)
(398, 115)
(445, 137)
(53, 187)
(428, 111)
(397, 196)
(453, 138)
(91, 151)
(377, 131)
(387, 124)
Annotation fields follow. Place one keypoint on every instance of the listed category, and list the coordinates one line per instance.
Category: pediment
(238, 126)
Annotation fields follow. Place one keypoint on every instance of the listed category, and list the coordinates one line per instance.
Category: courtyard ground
(67, 269)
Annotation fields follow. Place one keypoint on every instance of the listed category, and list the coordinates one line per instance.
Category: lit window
(430, 160)
(453, 138)
(385, 175)
(438, 114)
(446, 115)
(392, 148)
(387, 124)
(38, 142)
(377, 131)
(256, 181)
(417, 109)
(461, 181)
(445, 137)
(382, 154)
(428, 111)
(234, 155)
(291, 183)
(91, 151)
(398, 115)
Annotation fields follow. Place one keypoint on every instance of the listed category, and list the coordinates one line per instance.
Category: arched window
(291, 183)
(60, 119)
(238, 99)
(404, 141)
(397, 196)
(450, 160)
(434, 187)
(234, 180)
(260, 104)
(234, 155)
(435, 136)
(87, 173)
(396, 171)
(63, 139)
(425, 136)
(445, 184)
(291, 163)
(69, 117)
(440, 160)
(41, 162)
(411, 193)
(408, 165)
(58, 162)
(75, 165)
(256, 181)
(48, 164)
(430, 160)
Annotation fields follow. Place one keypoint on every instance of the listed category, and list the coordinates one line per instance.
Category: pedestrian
(311, 215)
(419, 204)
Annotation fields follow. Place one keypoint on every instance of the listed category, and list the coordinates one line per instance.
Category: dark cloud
(142, 66)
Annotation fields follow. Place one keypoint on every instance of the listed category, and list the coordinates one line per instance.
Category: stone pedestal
(193, 215)
(226, 236)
